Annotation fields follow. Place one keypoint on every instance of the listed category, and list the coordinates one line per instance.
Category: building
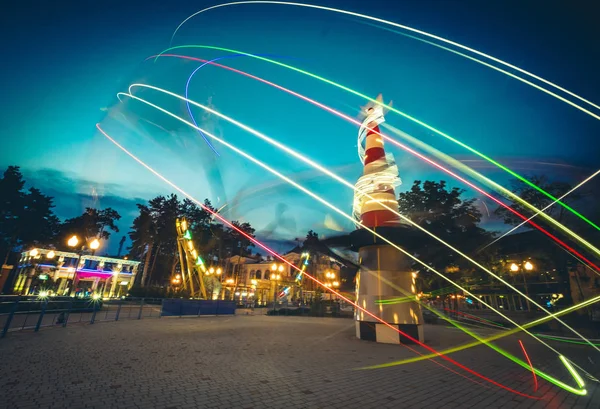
(66, 273)
(249, 280)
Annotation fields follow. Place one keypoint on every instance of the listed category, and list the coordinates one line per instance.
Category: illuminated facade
(66, 273)
(248, 280)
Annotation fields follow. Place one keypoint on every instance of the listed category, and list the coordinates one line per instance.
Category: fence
(20, 313)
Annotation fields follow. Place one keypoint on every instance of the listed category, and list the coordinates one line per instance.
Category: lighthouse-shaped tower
(385, 275)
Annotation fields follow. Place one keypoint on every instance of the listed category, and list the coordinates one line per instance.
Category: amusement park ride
(193, 268)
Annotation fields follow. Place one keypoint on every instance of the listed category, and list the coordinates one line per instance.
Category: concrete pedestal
(382, 268)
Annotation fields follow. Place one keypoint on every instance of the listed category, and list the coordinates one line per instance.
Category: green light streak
(335, 84)
(266, 167)
(328, 204)
(500, 335)
(568, 341)
(554, 381)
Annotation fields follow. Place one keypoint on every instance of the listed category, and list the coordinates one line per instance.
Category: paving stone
(264, 362)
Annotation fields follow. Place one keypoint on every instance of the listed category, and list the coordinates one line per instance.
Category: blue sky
(67, 64)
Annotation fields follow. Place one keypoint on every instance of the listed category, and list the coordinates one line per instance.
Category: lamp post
(176, 281)
(514, 267)
(275, 277)
(73, 242)
(332, 282)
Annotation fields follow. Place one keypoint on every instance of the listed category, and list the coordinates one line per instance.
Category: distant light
(95, 244)
(274, 267)
(50, 254)
(237, 293)
(96, 296)
(43, 294)
(124, 282)
(528, 266)
(514, 267)
(34, 252)
(219, 271)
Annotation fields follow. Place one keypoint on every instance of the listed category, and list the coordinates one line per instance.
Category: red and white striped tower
(385, 273)
(374, 212)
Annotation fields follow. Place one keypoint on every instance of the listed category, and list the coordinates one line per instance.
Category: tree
(11, 206)
(142, 235)
(26, 218)
(449, 217)
(93, 223)
(537, 199)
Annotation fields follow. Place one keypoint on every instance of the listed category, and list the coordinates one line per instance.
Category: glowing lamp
(34, 252)
(73, 241)
(336, 284)
(50, 254)
(274, 267)
(528, 266)
(219, 271)
(95, 244)
(281, 268)
(514, 267)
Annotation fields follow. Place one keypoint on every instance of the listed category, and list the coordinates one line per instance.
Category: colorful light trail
(266, 167)
(417, 121)
(328, 204)
(413, 152)
(391, 23)
(274, 254)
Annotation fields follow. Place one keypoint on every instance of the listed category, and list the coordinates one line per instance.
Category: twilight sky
(65, 63)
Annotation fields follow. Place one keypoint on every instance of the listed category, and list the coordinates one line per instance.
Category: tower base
(378, 332)
(386, 290)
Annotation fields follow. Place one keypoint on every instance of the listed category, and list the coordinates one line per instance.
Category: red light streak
(283, 260)
(535, 382)
(393, 141)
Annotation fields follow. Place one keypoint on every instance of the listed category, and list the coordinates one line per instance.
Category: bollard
(42, 313)
(66, 319)
(141, 309)
(118, 310)
(162, 303)
(10, 317)
(93, 319)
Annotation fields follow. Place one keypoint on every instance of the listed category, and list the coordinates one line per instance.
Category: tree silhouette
(537, 199)
(451, 218)
(26, 217)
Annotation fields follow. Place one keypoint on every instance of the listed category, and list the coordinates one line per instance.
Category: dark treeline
(27, 220)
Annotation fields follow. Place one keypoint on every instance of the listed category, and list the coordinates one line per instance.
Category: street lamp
(176, 281)
(73, 242)
(95, 244)
(514, 267)
(275, 278)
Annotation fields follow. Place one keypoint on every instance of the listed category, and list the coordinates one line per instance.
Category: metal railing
(32, 313)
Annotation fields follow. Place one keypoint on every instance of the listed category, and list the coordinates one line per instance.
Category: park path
(258, 361)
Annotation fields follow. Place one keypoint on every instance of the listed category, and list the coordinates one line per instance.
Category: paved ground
(264, 362)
